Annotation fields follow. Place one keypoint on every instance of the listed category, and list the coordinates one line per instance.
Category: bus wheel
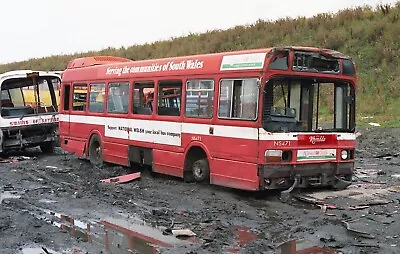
(95, 151)
(201, 170)
(47, 147)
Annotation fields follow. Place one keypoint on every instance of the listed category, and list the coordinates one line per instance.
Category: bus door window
(199, 98)
(238, 98)
(143, 96)
(169, 98)
(118, 97)
(66, 93)
(79, 97)
(96, 97)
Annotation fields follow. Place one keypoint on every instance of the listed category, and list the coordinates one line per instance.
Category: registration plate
(316, 154)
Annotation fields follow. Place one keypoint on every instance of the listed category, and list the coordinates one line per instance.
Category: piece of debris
(358, 232)
(396, 175)
(183, 232)
(366, 245)
(394, 189)
(360, 207)
(51, 167)
(122, 179)
(377, 202)
(374, 124)
(309, 200)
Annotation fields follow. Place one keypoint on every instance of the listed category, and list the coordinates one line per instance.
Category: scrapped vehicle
(29, 119)
(261, 119)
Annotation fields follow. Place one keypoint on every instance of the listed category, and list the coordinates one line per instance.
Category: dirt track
(57, 202)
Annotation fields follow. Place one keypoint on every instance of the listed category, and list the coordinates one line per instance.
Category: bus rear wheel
(47, 147)
(201, 170)
(95, 151)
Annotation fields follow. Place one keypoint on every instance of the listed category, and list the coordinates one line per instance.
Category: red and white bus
(256, 119)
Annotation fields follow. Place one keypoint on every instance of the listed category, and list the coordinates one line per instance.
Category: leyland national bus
(29, 110)
(257, 119)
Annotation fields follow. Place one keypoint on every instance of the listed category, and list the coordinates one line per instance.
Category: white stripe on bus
(162, 132)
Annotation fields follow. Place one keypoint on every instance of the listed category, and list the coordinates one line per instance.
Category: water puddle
(115, 235)
(303, 247)
(243, 236)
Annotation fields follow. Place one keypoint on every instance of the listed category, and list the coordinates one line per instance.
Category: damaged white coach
(29, 110)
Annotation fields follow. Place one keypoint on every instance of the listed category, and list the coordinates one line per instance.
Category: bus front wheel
(95, 151)
(201, 170)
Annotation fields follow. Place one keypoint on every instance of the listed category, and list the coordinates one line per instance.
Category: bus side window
(199, 98)
(143, 95)
(117, 101)
(79, 97)
(96, 97)
(238, 99)
(169, 98)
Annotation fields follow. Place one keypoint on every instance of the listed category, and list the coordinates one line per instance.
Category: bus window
(67, 90)
(143, 95)
(96, 97)
(238, 99)
(200, 98)
(169, 98)
(79, 97)
(17, 97)
(117, 101)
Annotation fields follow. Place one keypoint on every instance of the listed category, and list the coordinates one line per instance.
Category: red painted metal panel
(75, 146)
(121, 179)
(167, 162)
(116, 153)
(314, 140)
(234, 174)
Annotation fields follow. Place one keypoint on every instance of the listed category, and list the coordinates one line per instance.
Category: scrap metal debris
(356, 231)
(15, 159)
(122, 179)
(182, 232)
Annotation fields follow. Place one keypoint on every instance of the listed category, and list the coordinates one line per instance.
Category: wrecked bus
(275, 118)
(29, 111)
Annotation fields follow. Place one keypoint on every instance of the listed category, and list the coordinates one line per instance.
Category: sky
(40, 28)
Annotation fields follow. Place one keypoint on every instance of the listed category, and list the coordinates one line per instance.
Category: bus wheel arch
(197, 166)
(95, 150)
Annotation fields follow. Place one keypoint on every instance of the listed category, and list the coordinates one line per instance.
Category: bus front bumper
(308, 175)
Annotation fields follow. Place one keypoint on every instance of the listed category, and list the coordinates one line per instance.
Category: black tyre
(95, 151)
(201, 170)
(47, 147)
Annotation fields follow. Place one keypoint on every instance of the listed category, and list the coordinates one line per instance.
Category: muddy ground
(57, 204)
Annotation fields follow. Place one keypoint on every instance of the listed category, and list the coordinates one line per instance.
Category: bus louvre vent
(95, 60)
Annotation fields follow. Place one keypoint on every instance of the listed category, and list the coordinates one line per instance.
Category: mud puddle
(114, 235)
(303, 247)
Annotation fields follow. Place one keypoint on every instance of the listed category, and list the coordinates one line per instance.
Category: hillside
(371, 36)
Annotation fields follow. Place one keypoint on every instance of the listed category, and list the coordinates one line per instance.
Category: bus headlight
(273, 155)
(344, 154)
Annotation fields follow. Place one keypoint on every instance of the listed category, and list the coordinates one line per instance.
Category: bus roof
(26, 73)
(116, 67)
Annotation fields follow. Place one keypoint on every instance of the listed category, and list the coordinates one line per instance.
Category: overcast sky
(50, 27)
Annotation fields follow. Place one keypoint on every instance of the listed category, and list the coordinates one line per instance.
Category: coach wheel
(47, 147)
(201, 170)
(95, 151)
